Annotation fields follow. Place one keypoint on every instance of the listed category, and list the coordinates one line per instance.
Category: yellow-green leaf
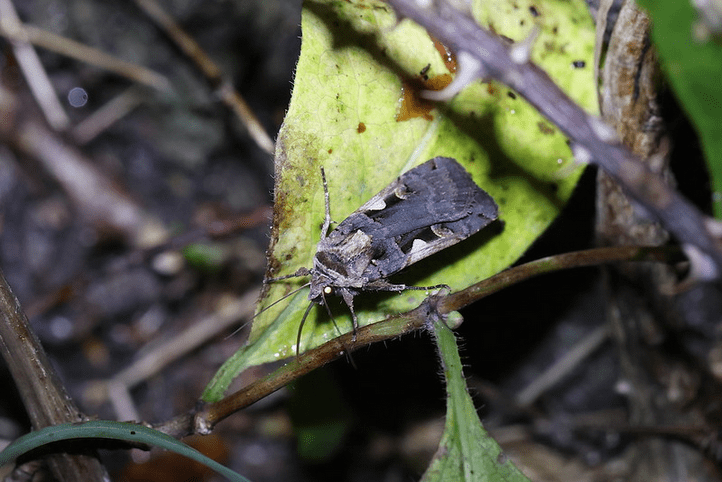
(466, 452)
(355, 61)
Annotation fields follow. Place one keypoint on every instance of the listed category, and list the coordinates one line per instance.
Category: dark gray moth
(425, 210)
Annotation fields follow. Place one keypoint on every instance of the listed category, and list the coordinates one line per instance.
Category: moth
(425, 210)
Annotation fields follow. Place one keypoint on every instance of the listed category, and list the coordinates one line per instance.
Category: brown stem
(43, 395)
(591, 139)
(204, 418)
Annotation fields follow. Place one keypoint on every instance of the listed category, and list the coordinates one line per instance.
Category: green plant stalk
(105, 429)
(466, 452)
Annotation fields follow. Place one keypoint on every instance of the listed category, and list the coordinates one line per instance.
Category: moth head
(320, 287)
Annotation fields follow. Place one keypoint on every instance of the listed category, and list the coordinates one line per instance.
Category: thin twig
(95, 195)
(562, 367)
(389, 328)
(211, 71)
(40, 388)
(229, 314)
(117, 389)
(592, 140)
(76, 50)
(32, 69)
(576, 259)
(206, 417)
(107, 115)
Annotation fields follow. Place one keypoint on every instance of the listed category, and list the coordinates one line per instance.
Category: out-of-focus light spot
(77, 97)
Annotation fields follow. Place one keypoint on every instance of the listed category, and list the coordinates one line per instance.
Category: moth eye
(328, 290)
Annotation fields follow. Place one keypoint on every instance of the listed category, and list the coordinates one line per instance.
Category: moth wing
(422, 249)
(437, 191)
(428, 208)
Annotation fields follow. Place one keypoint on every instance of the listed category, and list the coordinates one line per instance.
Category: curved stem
(203, 419)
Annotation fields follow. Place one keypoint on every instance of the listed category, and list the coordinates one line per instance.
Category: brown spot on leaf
(446, 55)
(545, 128)
(412, 104)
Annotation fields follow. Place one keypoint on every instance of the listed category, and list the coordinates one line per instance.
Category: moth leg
(330, 315)
(333, 320)
(383, 285)
(299, 273)
(327, 219)
(386, 286)
(426, 288)
(348, 299)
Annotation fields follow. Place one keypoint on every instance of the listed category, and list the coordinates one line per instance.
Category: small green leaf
(205, 256)
(349, 85)
(107, 429)
(466, 452)
(321, 420)
(693, 67)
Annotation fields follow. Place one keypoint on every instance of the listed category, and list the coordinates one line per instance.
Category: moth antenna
(267, 307)
(281, 299)
(300, 329)
(327, 219)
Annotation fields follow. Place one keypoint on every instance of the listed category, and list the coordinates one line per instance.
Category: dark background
(96, 305)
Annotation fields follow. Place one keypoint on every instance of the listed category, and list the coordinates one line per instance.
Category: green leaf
(106, 429)
(343, 116)
(205, 256)
(466, 452)
(693, 67)
(321, 419)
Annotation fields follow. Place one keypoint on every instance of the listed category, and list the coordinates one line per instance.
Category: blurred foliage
(691, 56)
